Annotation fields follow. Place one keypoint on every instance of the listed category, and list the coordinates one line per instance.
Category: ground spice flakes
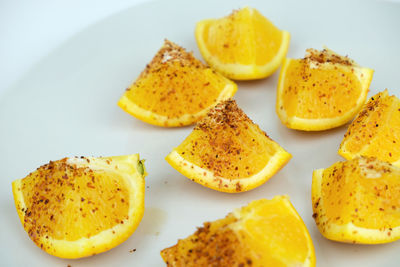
(214, 244)
(61, 196)
(224, 138)
(176, 84)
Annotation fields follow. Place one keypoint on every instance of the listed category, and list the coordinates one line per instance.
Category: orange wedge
(243, 46)
(175, 89)
(227, 152)
(375, 131)
(358, 201)
(263, 233)
(321, 91)
(78, 207)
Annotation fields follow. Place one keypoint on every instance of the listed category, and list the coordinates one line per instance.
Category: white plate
(66, 106)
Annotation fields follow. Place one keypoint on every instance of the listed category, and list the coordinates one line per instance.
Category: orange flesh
(265, 233)
(207, 246)
(228, 144)
(378, 126)
(242, 38)
(323, 92)
(175, 83)
(282, 226)
(66, 196)
(350, 196)
(268, 39)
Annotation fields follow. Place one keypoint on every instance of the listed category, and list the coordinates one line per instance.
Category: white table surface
(29, 30)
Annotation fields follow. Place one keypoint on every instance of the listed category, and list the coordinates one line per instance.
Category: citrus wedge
(375, 131)
(263, 233)
(243, 46)
(358, 201)
(321, 91)
(78, 207)
(227, 152)
(175, 89)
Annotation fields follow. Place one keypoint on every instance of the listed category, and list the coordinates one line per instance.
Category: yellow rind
(310, 260)
(208, 179)
(342, 151)
(345, 153)
(284, 199)
(239, 71)
(106, 239)
(348, 233)
(240, 223)
(365, 77)
(187, 119)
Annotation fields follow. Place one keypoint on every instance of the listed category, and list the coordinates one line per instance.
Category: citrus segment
(375, 131)
(243, 46)
(78, 207)
(175, 89)
(263, 233)
(358, 201)
(321, 91)
(227, 152)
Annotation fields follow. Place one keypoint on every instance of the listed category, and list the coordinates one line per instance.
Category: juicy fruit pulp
(263, 233)
(244, 45)
(358, 201)
(375, 131)
(175, 89)
(321, 91)
(77, 207)
(227, 152)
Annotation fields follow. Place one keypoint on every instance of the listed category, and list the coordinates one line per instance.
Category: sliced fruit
(227, 152)
(358, 201)
(376, 131)
(243, 46)
(263, 233)
(78, 207)
(175, 89)
(321, 91)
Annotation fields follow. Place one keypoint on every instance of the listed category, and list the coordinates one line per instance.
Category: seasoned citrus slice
(243, 46)
(321, 91)
(358, 201)
(375, 131)
(228, 152)
(78, 207)
(175, 89)
(263, 233)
